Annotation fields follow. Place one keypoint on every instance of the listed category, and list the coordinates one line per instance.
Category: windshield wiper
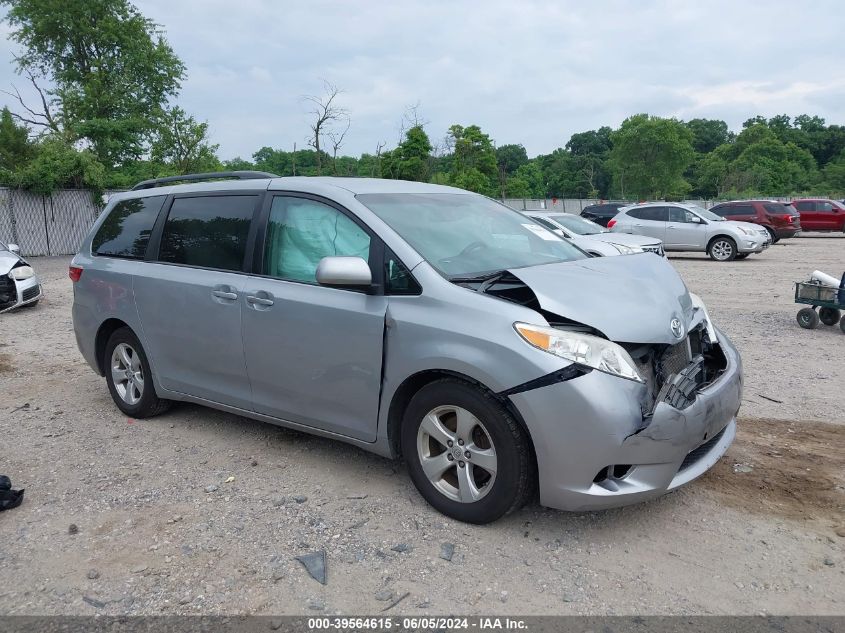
(490, 277)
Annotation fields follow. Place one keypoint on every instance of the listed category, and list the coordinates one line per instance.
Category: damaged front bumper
(14, 293)
(595, 448)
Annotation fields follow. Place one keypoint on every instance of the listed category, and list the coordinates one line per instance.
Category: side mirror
(14, 248)
(344, 271)
(697, 220)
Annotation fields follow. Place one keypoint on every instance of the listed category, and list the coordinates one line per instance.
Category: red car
(821, 214)
(779, 218)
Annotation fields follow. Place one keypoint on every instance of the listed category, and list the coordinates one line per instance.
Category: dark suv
(779, 218)
(603, 213)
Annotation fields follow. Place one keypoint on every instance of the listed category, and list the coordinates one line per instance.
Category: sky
(526, 72)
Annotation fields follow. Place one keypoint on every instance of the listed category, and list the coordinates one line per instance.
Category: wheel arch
(410, 386)
(104, 332)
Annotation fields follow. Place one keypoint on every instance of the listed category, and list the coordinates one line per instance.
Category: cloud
(532, 72)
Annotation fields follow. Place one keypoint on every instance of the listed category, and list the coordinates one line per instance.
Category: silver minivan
(411, 320)
(689, 227)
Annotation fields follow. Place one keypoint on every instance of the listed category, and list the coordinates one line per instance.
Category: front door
(810, 219)
(683, 231)
(313, 354)
(189, 298)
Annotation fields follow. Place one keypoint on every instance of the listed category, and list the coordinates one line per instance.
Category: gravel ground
(198, 511)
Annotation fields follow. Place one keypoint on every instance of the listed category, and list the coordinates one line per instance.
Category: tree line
(108, 120)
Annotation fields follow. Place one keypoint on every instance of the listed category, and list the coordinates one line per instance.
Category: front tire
(722, 249)
(129, 377)
(467, 455)
(807, 318)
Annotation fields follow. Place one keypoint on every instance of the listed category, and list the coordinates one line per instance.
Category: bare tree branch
(324, 112)
(336, 139)
(43, 119)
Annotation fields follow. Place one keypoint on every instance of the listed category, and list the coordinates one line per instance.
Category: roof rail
(215, 175)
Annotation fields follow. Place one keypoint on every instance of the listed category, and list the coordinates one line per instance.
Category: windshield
(579, 225)
(704, 213)
(467, 235)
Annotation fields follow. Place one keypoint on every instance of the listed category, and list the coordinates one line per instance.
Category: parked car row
(688, 227)
(593, 238)
(19, 285)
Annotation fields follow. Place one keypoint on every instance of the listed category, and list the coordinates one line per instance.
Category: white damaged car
(19, 285)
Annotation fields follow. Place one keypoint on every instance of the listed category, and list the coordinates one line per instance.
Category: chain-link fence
(571, 205)
(47, 225)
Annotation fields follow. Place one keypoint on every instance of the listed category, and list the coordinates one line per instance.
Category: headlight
(626, 250)
(22, 272)
(746, 231)
(584, 349)
(698, 304)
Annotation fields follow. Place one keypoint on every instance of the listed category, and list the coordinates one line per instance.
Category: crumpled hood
(7, 260)
(630, 299)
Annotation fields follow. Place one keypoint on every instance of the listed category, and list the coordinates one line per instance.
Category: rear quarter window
(777, 208)
(126, 230)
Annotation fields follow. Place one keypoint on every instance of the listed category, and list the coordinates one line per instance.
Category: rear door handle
(261, 301)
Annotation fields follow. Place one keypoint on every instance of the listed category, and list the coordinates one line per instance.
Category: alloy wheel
(127, 374)
(457, 454)
(722, 250)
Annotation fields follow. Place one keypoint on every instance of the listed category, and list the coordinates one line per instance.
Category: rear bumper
(593, 422)
(784, 232)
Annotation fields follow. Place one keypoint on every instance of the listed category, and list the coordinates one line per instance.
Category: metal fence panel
(46, 225)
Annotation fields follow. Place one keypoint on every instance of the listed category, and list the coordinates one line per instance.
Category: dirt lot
(125, 516)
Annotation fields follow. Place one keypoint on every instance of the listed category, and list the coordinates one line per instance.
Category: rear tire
(129, 377)
(475, 422)
(722, 249)
(829, 316)
(807, 318)
(775, 238)
(842, 325)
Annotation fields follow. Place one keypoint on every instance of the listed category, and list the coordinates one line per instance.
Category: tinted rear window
(778, 208)
(207, 231)
(655, 214)
(126, 230)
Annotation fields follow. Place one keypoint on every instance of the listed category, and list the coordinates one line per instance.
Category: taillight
(611, 224)
(786, 218)
(75, 273)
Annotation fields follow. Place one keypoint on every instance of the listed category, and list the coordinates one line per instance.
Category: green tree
(182, 143)
(111, 69)
(16, 149)
(509, 158)
(527, 182)
(473, 160)
(591, 143)
(238, 164)
(411, 160)
(834, 175)
(649, 156)
(58, 165)
(708, 134)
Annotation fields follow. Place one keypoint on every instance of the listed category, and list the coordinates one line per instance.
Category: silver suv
(410, 320)
(689, 227)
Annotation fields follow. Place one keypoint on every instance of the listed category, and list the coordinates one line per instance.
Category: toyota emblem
(677, 328)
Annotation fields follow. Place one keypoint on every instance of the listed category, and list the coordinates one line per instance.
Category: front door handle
(224, 294)
(261, 301)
